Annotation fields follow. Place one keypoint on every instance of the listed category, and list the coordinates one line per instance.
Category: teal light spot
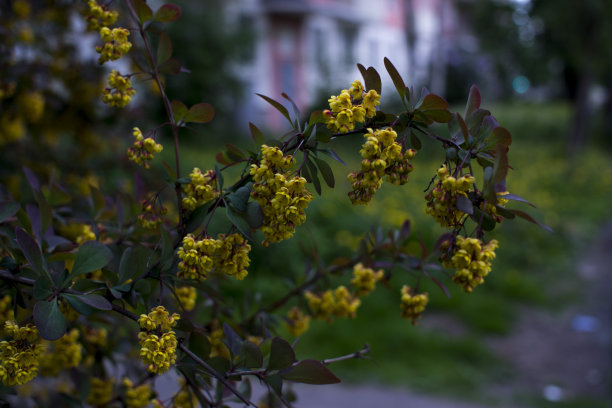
(520, 84)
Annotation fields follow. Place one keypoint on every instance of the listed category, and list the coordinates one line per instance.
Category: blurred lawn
(533, 266)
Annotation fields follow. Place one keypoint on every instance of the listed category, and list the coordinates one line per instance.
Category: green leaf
(473, 101)
(499, 135)
(529, 218)
(32, 252)
(415, 142)
(143, 11)
(396, 78)
(49, 320)
(239, 222)
(95, 301)
(199, 344)
(171, 67)
(276, 382)
(234, 341)
(234, 152)
(465, 205)
(439, 116)
(254, 214)
(476, 119)
(310, 372)
(433, 102)
(8, 209)
(309, 172)
(250, 356)
(514, 197)
(326, 172)
(488, 223)
(133, 263)
(316, 117)
(42, 288)
(279, 107)
(91, 256)
(46, 213)
(281, 354)
(77, 304)
(167, 13)
(200, 113)
(258, 137)
(164, 48)
(500, 168)
(323, 134)
(179, 110)
(371, 78)
(240, 198)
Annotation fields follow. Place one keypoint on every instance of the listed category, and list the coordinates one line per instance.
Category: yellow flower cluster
(339, 303)
(31, 105)
(471, 258)
(412, 304)
(297, 323)
(137, 397)
(119, 91)
(380, 155)
(143, 150)
(60, 354)
(196, 258)
(78, 232)
(6, 309)
(99, 16)
(350, 107)
(157, 340)
(232, 255)
(283, 200)
(100, 391)
(229, 254)
(201, 189)
(442, 200)
(187, 296)
(19, 356)
(364, 279)
(491, 209)
(151, 217)
(116, 44)
(96, 338)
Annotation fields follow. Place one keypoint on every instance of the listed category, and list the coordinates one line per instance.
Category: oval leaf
(42, 289)
(326, 172)
(473, 101)
(90, 257)
(396, 78)
(465, 205)
(433, 102)
(49, 321)
(32, 252)
(200, 113)
(8, 209)
(164, 48)
(143, 11)
(179, 111)
(279, 107)
(310, 372)
(529, 218)
(95, 301)
(281, 354)
(167, 13)
(77, 305)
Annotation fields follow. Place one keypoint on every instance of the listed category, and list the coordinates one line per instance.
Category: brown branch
(167, 106)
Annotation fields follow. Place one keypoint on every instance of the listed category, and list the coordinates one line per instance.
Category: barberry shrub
(101, 293)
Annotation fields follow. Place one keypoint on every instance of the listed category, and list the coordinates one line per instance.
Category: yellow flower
(471, 258)
(187, 296)
(201, 189)
(143, 150)
(297, 323)
(61, 354)
(412, 304)
(364, 279)
(100, 391)
(19, 356)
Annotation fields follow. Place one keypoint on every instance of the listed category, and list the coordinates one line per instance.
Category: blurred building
(307, 48)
